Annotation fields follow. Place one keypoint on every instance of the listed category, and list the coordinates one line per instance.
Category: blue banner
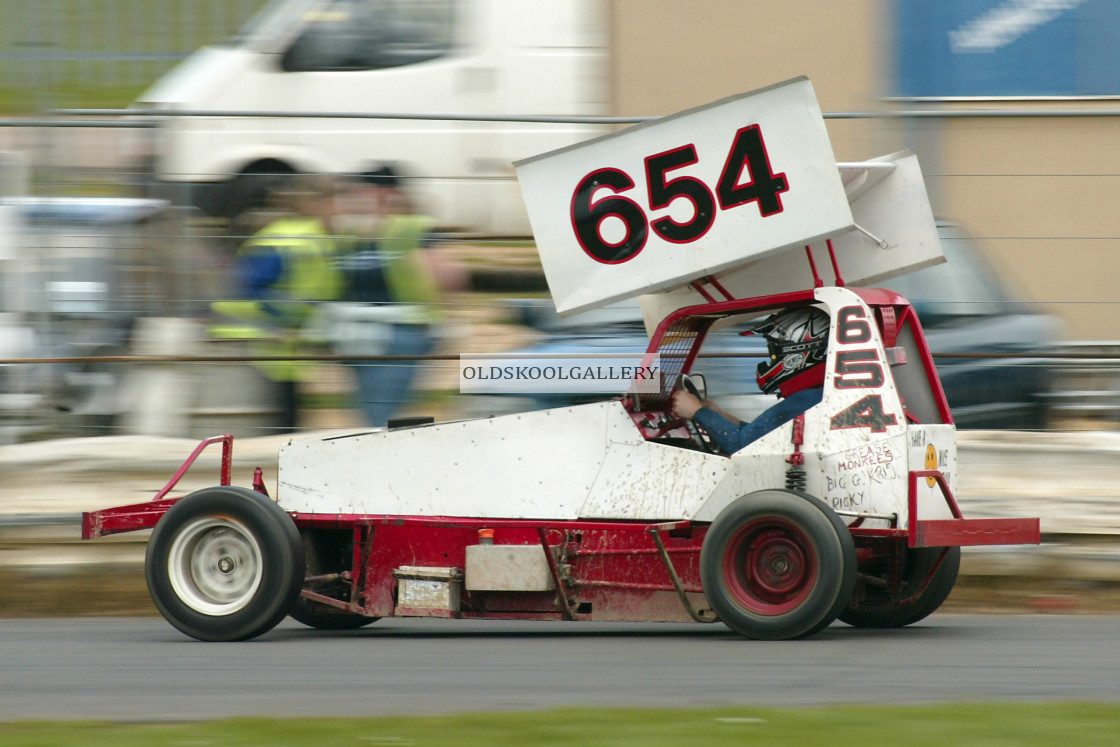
(1007, 48)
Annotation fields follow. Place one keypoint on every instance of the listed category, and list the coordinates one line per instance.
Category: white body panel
(590, 461)
(539, 464)
(933, 447)
(568, 463)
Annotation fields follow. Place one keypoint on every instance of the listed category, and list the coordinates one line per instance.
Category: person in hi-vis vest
(282, 273)
(395, 275)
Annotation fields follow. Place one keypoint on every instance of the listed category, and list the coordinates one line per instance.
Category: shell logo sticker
(931, 463)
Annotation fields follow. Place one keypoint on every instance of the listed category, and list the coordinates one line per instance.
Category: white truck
(300, 59)
(618, 510)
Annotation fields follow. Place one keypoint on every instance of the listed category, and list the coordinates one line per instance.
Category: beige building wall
(669, 55)
(1041, 193)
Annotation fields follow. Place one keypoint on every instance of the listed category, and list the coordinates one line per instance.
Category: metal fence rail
(1089, 376)
(70, 145)
(156, 114)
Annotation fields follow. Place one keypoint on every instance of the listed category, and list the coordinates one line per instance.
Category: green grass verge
(16, 101)
(950, 724)
(101, 54)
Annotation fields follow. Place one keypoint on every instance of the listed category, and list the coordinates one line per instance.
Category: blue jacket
(730, 437)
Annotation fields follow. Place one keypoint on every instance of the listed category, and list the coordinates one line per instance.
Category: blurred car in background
(990, 347)
(76, 276)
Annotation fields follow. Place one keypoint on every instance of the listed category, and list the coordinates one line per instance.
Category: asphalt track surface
(141, 669)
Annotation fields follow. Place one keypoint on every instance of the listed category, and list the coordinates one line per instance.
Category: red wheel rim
(770, 566)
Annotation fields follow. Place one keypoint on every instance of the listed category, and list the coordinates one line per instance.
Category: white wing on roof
(894, 233)
(734, 190)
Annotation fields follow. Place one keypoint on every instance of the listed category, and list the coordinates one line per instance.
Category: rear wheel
(778, 565)
(224, 564)
(877, 610)
(329, 554)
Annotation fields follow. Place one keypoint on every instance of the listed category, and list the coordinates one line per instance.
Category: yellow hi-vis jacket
(309, 276)
(410, 282)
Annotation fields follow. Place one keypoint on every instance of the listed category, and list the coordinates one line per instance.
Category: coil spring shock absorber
(795, 475)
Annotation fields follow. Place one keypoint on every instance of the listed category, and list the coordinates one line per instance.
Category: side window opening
(372, 35)
(911, 378)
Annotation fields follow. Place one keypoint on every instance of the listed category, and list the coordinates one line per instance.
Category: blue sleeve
(722, 431)
(730, 437)
(258, 271)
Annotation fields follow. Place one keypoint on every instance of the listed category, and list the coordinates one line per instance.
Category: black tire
(324, 617)
(328, 553)
(252, 188)
(876, 610)
(224, 564)
(778, 565)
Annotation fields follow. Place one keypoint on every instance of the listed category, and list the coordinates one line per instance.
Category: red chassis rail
(620, 570)
(146, 515)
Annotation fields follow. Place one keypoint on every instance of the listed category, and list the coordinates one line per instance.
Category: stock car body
(615, 510)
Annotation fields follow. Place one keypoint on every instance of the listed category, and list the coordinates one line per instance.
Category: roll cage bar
(680, 336)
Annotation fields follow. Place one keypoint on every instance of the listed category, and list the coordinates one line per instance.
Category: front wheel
(778, 565)
(224, 564)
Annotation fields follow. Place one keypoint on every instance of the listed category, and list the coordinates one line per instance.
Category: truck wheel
(778, 565)
(253, 186)
(322, 617)
(224, 564)
(876, 609)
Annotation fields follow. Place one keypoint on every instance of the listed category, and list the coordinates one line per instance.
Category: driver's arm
(721, 427)
(731, 434)
(685, 405)
(710, 405)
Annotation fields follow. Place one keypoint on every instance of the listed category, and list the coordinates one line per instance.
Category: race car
(618, 510)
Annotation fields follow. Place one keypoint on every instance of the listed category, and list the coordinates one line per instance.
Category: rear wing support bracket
(817, 282)
(698, 286)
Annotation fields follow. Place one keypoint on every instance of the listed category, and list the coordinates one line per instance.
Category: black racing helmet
(798, 341)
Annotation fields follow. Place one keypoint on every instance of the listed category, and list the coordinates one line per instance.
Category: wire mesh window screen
(675, 350)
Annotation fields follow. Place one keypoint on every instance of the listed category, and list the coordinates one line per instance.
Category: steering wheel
(699, 437)
(690, 386)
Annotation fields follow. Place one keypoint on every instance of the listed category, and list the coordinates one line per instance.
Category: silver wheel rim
(214, 565)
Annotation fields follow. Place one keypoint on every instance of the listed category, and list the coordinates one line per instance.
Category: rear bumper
(970, 532)
(957, 531)
(962, 532)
